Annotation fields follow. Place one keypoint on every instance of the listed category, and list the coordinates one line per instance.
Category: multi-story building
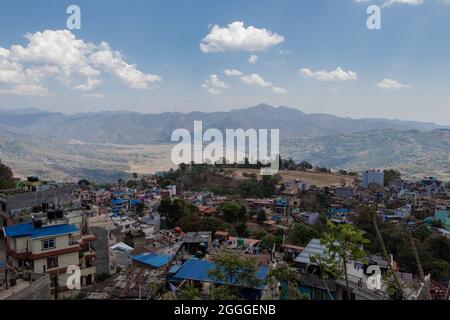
(372, 177)
(50, 248)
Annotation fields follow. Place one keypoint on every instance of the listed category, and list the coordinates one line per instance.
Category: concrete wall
(38, 290)
(27, 200)
(101, 247)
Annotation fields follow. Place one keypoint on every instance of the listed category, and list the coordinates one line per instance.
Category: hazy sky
(154, 56)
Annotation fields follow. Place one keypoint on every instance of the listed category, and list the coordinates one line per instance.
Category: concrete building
(372, 177)
(50, 248)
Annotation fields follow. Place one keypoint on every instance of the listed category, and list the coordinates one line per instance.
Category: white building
(372, 177)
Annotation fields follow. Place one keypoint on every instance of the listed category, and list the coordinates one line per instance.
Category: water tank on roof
(37, 224)
(51, 214)
(59, 214)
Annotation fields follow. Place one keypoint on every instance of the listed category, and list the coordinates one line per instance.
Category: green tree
(188, 292)
(140, 207)
(233, 212)
(269, 240)
(422, 233)
(344, 243)
(439, 247)
(191, 223)
(288, 280)
(301, 235)
(235, 271)
(212, 224)
(261, 216)
(390, 176)
(242, 230)
(6, 177)
(175, 210)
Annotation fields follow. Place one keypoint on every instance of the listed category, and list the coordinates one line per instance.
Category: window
(48, 244)
(52, 262)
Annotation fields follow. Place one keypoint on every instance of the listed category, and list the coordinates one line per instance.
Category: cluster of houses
(122, 248)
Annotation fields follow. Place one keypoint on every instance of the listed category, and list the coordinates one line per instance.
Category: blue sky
(153, 61)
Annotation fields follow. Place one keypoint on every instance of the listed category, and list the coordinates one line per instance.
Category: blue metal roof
(118, 202)
(135, 202)
(175, 268)
(198, 270)
(151, 259)
(27, 229)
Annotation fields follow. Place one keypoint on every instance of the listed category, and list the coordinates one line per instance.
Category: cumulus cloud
(253, 59)
(337, 75)
(278, 90)
(232, 72)
(285, 52)
(390, 84)
(214, 85)
(73, 62)
(27, 90)
(237, 37)
(255, 79)
(389, 3)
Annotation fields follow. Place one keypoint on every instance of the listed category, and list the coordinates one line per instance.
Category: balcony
(88, 271)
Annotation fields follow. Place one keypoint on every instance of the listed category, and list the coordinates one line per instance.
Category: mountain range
(107, 145)
(137, 128)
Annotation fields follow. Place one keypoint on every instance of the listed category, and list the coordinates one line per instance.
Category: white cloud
(390, 84)
(232, 72)
(336, 75)
(73, 62)
(279, 90)
(27, 90)
(90, 84)
(389, 3)
(285, 52)
(214, 85)
(253, 59)
(255, 80)
(334, 90)
(237, 37)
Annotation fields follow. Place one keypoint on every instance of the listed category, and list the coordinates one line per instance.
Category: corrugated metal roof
(27, 229)
(151, 259)
(313, 248)
(198, 270)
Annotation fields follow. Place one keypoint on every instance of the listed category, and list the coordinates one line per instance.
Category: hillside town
(206, 232)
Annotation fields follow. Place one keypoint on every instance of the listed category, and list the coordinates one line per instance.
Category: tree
(83, 183)
(439, 247)
(212, 224)
(268, 240)
(390, 176)
(135, 175)
(288, 280)
(191, 223)
(140, 207)
(131, 184)
(6, 177)
(344, 243)
(175, 210)
(241, 229)
(422, 233)
(261, 216)
(233, 212)
(301, 235)
(250, 189)
(235, 272)
(189, 292)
